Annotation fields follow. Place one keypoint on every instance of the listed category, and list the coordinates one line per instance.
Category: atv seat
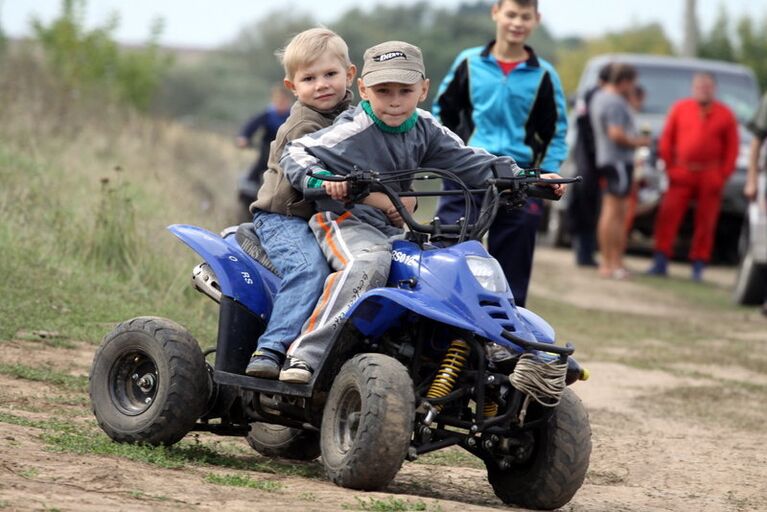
(247, 239)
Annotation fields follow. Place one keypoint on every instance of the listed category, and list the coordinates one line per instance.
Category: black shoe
(263, 365)
(297, 372)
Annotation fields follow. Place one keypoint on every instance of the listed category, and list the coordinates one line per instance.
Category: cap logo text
(389, 56)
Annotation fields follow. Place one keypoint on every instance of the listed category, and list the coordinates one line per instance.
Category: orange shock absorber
(448, 373)
(490, 409)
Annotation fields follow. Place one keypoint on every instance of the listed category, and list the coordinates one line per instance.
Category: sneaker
(297, 372)
(659, 265)
(264, 365)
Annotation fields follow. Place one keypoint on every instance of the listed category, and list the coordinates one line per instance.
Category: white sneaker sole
(295, 376)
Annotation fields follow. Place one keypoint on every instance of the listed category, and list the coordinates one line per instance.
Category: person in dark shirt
(265, 125)
(583, 208)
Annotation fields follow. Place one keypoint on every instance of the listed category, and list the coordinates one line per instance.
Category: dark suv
(666, 80)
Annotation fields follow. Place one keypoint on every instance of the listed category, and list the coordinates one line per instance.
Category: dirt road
(676, 400)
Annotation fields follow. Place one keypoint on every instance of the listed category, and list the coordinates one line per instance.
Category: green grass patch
(244, 481)
(172, 457)
(45, 374)
(29, 473)
(390, 504)
(455, 457)
(701, 295)
(48, 425)
(76, 261)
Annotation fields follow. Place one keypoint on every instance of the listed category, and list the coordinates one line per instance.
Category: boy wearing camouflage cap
(386, 132)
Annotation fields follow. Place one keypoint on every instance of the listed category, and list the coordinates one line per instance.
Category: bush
(90, 61)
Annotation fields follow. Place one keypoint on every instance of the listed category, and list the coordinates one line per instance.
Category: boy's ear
(363, 89)
(424, 89)
(289, 85)
(350, 74)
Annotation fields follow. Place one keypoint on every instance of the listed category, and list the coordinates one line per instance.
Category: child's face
(514, 23)
(322, 84)
(394, 103)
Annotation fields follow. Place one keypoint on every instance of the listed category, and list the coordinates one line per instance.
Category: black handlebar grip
(542, 192)
(315, 194)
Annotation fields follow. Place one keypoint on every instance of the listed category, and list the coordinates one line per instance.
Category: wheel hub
(348, 419)
(133, 382)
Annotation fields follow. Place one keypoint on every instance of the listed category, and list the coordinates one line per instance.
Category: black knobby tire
(558, 465)
(148, 382)
(285, 442)
(367, 422)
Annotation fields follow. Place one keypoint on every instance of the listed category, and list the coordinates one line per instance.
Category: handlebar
(512, 189)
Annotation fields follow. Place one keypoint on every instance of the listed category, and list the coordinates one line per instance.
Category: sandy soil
(643, 459)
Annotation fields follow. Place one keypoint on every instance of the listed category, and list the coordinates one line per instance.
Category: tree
(747, 44)
(752, 48)
(92, 60)
(716, 44)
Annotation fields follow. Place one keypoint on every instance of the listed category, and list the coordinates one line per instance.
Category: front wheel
(148, 382)
(558, 463)
(367, 422)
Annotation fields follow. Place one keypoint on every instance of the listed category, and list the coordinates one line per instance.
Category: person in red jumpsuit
(699, 145)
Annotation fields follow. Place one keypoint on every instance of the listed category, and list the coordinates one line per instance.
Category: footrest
(269, 386)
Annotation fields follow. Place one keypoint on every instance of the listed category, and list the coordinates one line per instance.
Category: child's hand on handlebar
(337, 190)
(394, 216)
(559, 188)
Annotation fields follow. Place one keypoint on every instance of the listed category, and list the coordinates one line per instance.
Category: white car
(751, 281)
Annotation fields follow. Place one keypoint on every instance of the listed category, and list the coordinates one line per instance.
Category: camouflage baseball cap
(393, 61)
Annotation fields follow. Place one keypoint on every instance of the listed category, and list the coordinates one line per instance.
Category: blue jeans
(294, 251)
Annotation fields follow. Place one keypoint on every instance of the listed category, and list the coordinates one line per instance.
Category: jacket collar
(532, 60)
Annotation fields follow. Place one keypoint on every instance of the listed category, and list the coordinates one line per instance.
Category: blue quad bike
(439, 357)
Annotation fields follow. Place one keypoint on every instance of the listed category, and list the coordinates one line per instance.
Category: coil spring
(490, 409)
(448, 373)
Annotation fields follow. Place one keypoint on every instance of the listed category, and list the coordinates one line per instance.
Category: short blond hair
(308, 46)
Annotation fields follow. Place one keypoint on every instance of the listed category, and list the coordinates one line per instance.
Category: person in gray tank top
(615, 140)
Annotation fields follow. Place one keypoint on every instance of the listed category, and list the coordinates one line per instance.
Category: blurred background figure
(615, 137)
(757, 163)
(699, 145)
(641, 157)
(583, 208)
(264, 125)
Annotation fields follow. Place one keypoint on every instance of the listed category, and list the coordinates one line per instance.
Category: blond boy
(318, 72)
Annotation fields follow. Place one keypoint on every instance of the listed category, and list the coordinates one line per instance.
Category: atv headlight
(488, 273)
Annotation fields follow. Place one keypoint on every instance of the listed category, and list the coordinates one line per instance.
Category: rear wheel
(148, 382)
(280, 441)
(558, 463)
(367, 422)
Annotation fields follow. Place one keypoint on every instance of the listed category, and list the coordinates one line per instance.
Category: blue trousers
(511, 238)
(293, 249)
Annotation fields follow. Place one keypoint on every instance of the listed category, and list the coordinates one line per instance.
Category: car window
(665, 85)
